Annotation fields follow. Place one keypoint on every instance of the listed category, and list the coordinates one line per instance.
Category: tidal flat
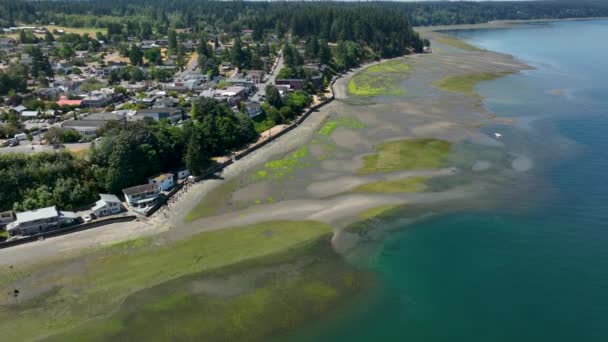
(283, 199)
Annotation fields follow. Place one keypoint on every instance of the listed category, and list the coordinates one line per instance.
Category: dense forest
(331, 20)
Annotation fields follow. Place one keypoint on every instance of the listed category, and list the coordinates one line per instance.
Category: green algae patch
(412, 184)
(280, 168)
(374, 212)
(455, 42)
(409, 154)
(110, 275)
(393, 66)
(274, 296)
(213, 201)
(465, 84)
(379, 79)
(332, 124)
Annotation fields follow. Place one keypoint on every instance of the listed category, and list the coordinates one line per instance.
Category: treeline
(386, 31)
(331, 19)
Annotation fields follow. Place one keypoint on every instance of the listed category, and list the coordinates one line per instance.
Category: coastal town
(79, 93)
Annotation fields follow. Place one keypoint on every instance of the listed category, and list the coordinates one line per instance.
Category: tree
(172, 44)
(324, 53)
(180, 60)
(154, 56)
(237, 56)
(273, 97)
(196, 157)
(48, 37)
(136, 56)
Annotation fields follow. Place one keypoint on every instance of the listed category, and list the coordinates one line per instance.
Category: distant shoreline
(498, 24)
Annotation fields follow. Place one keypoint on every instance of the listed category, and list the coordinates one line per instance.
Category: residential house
(88, 126)
(249, 86)
(142, 196)
(165, 181)
(234, 94)
(172, 114)
(293, 83)
(99, 98)
(6, 217)
(256, 76)
(107, 205)
(64, 101)
(40, 220)
(165, 102)
(49, 93)
(183, 174)
(63, 68)
(19, 109)
(252, 109)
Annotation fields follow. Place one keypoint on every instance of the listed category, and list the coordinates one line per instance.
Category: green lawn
(409, 154)
(465, 84)
(413, 184)
(213, 201)
(112, 273)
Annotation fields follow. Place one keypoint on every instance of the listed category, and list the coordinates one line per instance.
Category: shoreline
(425, 113)
(498, 24)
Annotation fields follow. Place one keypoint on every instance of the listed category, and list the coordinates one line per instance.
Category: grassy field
(379, 79)
(413, 184)
(465, 84)
(212, 202)
(92, 31)
(455, 42)
(108, 275)
(409, 154)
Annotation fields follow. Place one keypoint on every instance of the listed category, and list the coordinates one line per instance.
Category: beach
(418, 143)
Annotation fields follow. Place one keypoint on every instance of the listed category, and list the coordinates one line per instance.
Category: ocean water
(535, 269)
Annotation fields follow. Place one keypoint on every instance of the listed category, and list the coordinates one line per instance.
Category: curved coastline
(342, 208)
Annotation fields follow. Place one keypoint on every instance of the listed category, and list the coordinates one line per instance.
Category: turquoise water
(535, 269)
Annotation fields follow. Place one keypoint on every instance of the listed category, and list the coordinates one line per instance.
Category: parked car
(87, 218)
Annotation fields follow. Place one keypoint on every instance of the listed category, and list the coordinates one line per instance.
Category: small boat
(498, 135)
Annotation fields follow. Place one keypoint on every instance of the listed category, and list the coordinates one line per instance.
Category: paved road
(189, 68)
(271, 77)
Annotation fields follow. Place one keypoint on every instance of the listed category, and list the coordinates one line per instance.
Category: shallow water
(536, 267)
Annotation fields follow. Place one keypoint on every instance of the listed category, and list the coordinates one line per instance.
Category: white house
(40, 220)
(164, 181)
(183, 174)
(142, 196)
(107, 205)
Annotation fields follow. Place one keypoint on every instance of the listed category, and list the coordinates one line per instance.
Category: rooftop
(139, 189)
(37, 214)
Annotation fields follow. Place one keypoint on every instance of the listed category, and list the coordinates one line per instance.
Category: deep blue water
(537, 274)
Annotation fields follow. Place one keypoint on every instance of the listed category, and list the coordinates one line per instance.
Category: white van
(21, 136)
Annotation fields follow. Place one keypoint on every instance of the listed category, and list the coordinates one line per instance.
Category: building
(64, 101)
(181, 174)
(256, 76)
(164, 181)
(142, 196)
(40, 220)
(89, 125)
(171, 114)
(6, 217)
(107, 205)
(293, 83)
(252, 109)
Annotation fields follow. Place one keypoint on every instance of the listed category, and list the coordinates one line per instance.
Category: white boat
(498, 135)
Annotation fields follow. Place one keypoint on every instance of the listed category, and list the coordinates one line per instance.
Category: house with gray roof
(107, 205)
(40, 220)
